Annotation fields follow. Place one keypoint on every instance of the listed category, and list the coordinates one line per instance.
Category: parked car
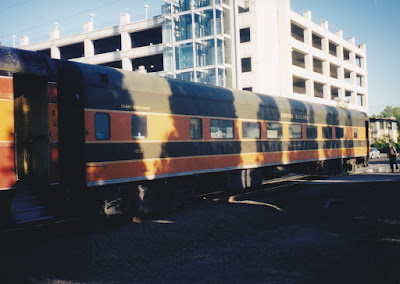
(374, 153)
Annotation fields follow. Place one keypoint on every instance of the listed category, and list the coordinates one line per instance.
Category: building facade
(255, 45)
(385, 128)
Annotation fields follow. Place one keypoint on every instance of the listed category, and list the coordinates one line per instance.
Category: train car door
(31, 123)
(367, 137)
(7, 157)
(71, 129)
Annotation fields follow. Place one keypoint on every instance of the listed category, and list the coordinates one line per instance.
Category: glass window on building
(246, 64)
(221, 129)
(206, 76)
(181, 5)
(187, 76)
(221, 80)
(220, 51)
(244, 35)
(168, 59)
(202, 3)
(295, 131)
(204, 23)
(218, 20)
(184, 56)
(205, 53)
(274, 130)
(196, 128)
(244, 7)
(166, 31)
(183, 27)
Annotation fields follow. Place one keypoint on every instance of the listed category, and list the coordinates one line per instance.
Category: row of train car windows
(220, 129)
(103, 131)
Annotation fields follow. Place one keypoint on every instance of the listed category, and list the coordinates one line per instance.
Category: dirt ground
(308, 234)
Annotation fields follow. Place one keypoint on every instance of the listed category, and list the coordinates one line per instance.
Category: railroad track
(270, 185)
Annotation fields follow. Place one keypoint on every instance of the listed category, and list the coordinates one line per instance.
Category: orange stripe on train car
(163, 128)
(148, 168)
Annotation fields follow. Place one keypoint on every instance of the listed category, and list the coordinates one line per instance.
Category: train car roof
(276, 107)
(18, 61)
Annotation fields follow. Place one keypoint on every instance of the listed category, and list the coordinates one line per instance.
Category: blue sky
(372, 22)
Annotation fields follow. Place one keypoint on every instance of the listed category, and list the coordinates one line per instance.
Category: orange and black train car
(83, 129)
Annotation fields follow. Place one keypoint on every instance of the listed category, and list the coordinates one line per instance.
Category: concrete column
(127, 64)
(325, 25)
(339, 33)
(353, 78)
(308, 37)
(24, 41)
(125, 19)
(339, 51)
(126, 41)
(55, 34)
(341, 73)
(88, 27)
(354, 98)
(308, 60)
(325, 45)
(342, 94)
(352, 57)
(325, 68)
(55, 52)
(307, 15)
(310, 88)
(88, 48)
(327, 92)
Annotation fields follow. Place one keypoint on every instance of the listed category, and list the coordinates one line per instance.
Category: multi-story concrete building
(384, 128)
(254, 45)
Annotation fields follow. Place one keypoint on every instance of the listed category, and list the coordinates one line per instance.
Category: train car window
(339, 132)
(312, 132)
(102, 126)
(327, 132)
(139, 126)
(196, 128)
(251, 130)
(274, 130)
(355, 132)
(221, 129)
(295, 131)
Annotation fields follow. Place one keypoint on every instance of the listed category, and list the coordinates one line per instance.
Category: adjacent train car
(114, 139)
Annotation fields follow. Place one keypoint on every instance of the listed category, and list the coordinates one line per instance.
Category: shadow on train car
(193, 160)
(117, 145)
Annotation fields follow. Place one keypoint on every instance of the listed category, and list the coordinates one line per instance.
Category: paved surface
(335, 230)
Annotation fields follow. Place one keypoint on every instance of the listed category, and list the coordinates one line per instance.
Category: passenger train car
(76, 136)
